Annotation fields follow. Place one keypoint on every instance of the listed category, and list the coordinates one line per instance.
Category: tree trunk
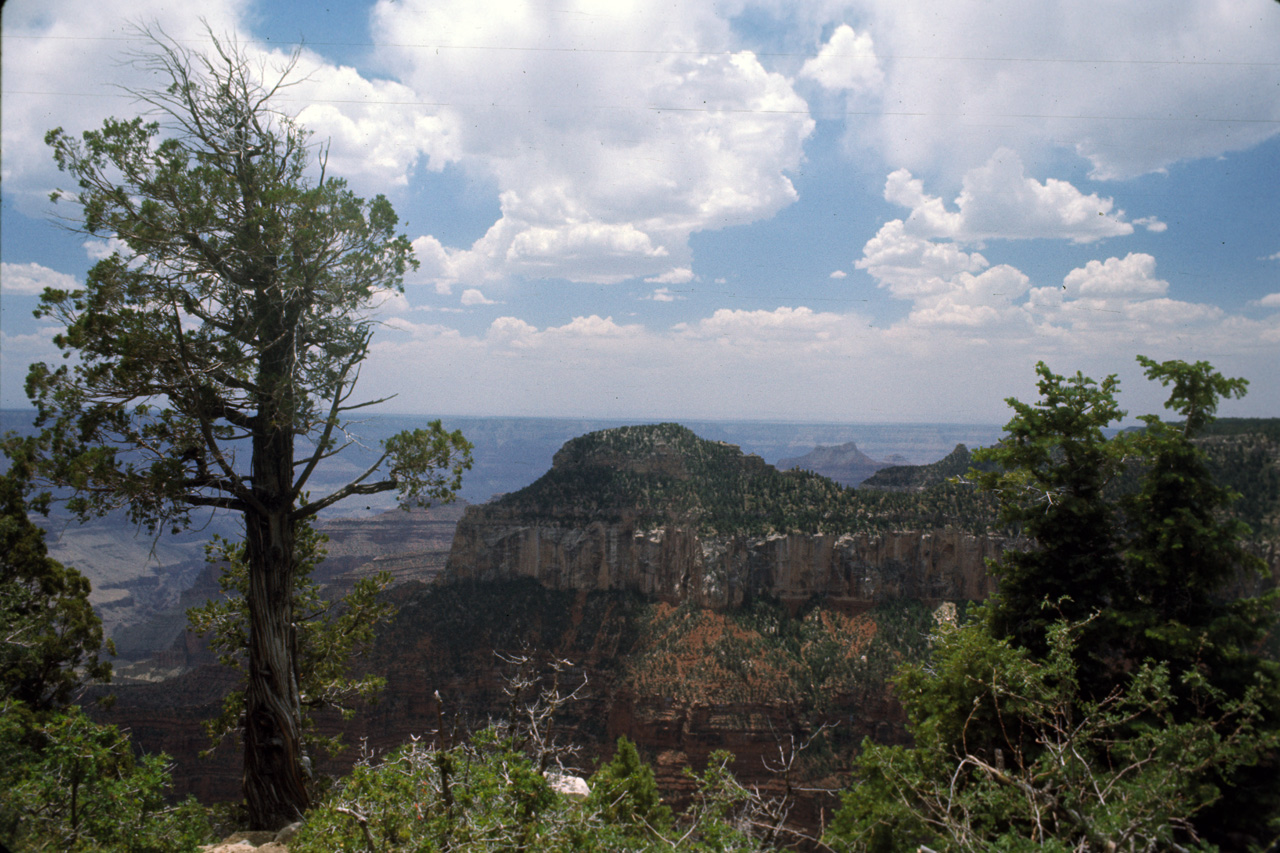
(275, 771)
(274, 776)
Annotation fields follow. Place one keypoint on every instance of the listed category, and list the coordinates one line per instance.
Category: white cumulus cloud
(912, 266)
(1132, 276)
(33, 278)
(606, 160)
(1000, 201)
(1131, 87)
(846, 63)
(473, 296)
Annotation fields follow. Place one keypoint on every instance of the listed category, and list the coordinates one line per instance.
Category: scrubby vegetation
(488, 793)
(69, 784)
(66, 783)
(512, 785)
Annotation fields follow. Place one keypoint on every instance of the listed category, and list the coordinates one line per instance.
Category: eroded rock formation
(853, 571)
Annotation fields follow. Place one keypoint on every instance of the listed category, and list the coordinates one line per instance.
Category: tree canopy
(1112, 694)
(213, 356)
(50, 638)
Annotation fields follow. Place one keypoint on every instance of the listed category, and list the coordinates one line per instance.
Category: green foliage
(1009, 755)
(624, 792)
(489, 794)
(66, 783)
(427, 464)
(1183, 549)
(1133, 528)
(1051, 471)
(725, 817)
(664, 474)
(490, 791)
(69, 784)
(50, 638)
(1197, 388)
(485, 794)
(1111, 695)
(329, 636)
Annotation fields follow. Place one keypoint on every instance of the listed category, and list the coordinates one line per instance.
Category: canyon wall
(673, 563)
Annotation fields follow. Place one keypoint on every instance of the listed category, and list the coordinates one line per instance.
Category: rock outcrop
(854, 571)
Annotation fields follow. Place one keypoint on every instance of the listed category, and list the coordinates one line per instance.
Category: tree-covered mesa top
(664, 474)
(957, 463)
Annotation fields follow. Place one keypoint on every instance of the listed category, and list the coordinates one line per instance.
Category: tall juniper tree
(214, 355)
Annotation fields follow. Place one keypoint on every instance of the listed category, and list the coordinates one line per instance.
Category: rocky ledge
(854, 571)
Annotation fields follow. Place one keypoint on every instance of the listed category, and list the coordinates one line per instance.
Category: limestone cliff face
(854, 571)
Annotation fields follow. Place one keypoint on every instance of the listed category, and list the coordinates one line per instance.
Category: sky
(852, 212)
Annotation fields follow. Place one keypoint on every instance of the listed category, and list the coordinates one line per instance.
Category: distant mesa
(917, 478)
(844, 463)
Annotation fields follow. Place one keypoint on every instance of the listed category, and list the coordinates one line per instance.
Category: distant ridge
(660, 474)
(844, 463)
(917, 478)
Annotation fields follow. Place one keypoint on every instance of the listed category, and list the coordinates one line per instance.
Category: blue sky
(860, 211)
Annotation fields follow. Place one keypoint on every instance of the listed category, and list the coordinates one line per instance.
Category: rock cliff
(854, 571)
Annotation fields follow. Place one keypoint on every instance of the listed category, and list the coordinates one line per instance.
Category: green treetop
(1112, 693)
(50, 638)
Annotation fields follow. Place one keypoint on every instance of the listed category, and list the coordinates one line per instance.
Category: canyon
(698, 598)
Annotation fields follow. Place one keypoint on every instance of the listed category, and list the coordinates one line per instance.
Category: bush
(1009, 755)
(495, 790)
(69, 784)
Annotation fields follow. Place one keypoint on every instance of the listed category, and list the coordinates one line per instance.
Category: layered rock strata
(852, 571)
